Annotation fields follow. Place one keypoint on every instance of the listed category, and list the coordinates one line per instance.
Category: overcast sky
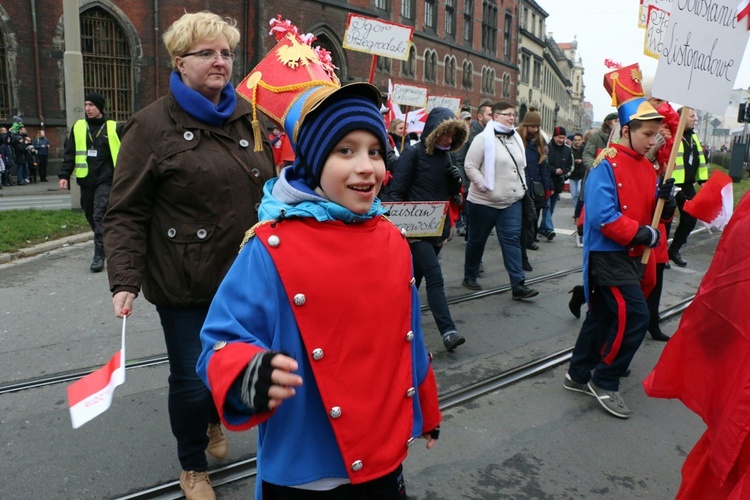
(607, 29)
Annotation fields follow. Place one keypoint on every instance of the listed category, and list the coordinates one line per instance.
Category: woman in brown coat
(188, 182)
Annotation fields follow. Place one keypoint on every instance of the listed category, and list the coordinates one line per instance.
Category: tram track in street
(161, 359)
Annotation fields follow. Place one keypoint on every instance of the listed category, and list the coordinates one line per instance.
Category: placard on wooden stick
(419, 218)
(377, 37)
(444, 101)
(409, 95)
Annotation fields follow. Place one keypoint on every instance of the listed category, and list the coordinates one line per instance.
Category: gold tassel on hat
(614, 77)
(257, 137)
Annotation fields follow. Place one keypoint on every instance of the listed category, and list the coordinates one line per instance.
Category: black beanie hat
(96, 99)
(559, 131)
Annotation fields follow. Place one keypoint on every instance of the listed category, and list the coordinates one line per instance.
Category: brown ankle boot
(196, 485)
(217, 441)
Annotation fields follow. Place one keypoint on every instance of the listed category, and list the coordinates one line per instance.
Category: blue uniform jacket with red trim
(620, 194)
(339, 299)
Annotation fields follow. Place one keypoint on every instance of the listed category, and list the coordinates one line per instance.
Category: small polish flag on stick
(714, 203)
(91, 396)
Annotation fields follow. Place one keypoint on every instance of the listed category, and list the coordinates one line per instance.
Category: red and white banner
(714, 203)
(91, 396)
(743, 9)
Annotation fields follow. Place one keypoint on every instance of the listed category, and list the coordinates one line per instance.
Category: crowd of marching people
(268, 337)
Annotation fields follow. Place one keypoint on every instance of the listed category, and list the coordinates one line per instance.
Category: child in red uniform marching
(621, 193)
(314, 336)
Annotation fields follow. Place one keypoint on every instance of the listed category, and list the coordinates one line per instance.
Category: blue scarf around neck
(201, 108)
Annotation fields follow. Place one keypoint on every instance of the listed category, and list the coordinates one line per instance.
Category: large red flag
(706, 365)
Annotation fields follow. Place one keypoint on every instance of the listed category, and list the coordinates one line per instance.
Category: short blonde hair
(190, 28)
(394, 125)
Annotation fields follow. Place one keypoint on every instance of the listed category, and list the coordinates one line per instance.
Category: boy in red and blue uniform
(621, 194)
(312, 335)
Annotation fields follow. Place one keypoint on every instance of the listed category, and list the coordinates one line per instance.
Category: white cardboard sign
(409, 95)
(418, 218)
(700, 54)
(373, 36)
(444, 101)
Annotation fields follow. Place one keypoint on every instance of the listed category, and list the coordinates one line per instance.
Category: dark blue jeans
(426, 265)
(606, 345)
(507, 224)
(191, 406)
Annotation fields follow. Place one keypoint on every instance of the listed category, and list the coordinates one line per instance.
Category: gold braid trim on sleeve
(250, 233)
(606, 153)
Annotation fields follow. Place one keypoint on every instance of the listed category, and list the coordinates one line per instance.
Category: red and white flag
(91, 396)
(743, 10)
(415, 120)
(394, 111)
(713, 205)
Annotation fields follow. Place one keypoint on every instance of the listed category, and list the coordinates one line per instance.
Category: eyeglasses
(506, 114)
(212, 55)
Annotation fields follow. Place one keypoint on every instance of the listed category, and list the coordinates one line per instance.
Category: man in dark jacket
(91, 153)
(560, 161)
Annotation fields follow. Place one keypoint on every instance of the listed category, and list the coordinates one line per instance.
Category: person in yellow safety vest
(690, 167)
(91, 155)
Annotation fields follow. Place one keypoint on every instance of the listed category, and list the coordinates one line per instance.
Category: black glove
(455, 179)
(646, 235)
(434, 433)
(666, 189)
(256, 381)
(669, 207)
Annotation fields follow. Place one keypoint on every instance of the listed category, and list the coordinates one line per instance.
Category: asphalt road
(530, 440)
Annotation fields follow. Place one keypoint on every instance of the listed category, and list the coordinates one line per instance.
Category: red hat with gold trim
(624, 85)
(291, 80)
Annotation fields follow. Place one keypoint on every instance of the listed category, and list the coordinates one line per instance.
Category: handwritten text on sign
(656, 31)
(418, 219)
(701, 54)
(409, 95)
(365, 34)
(643, 11)
(444, 101)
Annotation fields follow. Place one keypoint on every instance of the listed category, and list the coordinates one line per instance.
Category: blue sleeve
(245, 307)
(602, 205)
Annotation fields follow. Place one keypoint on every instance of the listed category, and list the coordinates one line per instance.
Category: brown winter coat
(181, 202)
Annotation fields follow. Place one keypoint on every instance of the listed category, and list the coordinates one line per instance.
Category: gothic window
(450, 71)
(409, 67)
(430, 66)
(107, 62)
(467, 79)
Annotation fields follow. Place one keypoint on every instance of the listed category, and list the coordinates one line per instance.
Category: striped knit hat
(321, 129)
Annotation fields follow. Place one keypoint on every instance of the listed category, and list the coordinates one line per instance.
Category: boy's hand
(667, 189)
(646, 235)
(432, 437)
(268, 381)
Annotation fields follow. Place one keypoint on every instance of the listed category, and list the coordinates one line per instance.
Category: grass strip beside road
(24, 228)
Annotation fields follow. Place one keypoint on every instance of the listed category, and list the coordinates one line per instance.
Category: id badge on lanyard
(91, 153)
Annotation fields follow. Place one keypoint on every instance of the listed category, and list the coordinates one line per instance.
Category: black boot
(576, 300)
(97, 265)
